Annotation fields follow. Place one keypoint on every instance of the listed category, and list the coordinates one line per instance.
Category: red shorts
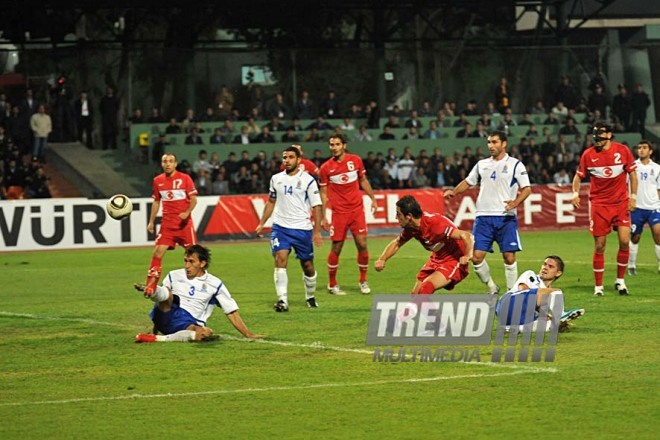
(342, 223)
(185, 236)
(603, 217)
(449, 268)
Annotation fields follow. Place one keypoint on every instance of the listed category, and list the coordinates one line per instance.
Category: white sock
(483, 271)
(160, 294)
(180, 336)
(620, 281)
(310, 285)
(281, 283)
(657, 252)
(511, 273)
(634, 248)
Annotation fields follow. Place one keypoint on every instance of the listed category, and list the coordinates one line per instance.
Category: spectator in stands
(426, 110)
(471, 108)
(539, 108)
(390, 173)
(486, 121)
(214, 163)
(228, 131)
(561, 177)
(355, 112)
(419, 179)
(194, 138)
(253, 127)
(216, 137)
(156, 116)
(432, 132)
(481, 131)
(159, 148)
(441, 120)
(243, 137)
(305, 107)
(275, 125)
(220, 186)
(549, 147)
(202, 162)
(598, 81)
(84, 115)
(639, 103)
(188, 120)
(109, 108)
(198, 126)
(621, 107)
(598, 100)
(373, 114)
(256, 101)
(290, 136)
(38, 185)
(173, 127)
(462, 120)
(264, 137)
(347, 124)
(28, 106)
(405, 167)
(317, 157)
(535, 168)
(492, 110)
(363, 135)
(551, 119)
(14, 180)
(575, 148)
(414, 121)
(242, 180)
(386, 135)
(137, 117)
(507, 122)
(502, 96)
(526, 120)
(569, 127)
(320, 124)
(447, 109)
(41, 126)
(209, 115)
(392, 122)
(466, 132)
(314, 135)
(224, 102)
(565, 93)
(412, 134)
(330, 106)
(560, 110)
(295, 124)
(203, 182)
(277, 108)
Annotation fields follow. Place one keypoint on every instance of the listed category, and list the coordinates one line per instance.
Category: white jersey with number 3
(499, 181)
(294, 196)
(648, 184)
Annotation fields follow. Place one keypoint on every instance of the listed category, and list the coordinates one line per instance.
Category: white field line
(314, 345)
(267, 389)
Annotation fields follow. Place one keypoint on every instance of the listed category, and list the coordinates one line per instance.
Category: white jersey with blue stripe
(294, 196)
(199, 295)
(648, 184)
(529, 278)
(499, 181)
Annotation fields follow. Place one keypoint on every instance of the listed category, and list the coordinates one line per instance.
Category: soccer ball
(119, 207)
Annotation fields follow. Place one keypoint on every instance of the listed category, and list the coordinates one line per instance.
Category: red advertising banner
(548, 207)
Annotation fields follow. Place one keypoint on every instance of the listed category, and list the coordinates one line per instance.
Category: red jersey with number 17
(608, 171)
(343, 182)
(174, 194)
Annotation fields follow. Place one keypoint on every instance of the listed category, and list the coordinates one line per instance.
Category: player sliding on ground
(185, 301)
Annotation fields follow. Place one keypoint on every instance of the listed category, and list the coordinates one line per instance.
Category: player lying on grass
(531, 286)
(185, 301)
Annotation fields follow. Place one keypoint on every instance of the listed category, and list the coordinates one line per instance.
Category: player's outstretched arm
(462, 186)
(389, 251)
(468, 240)
(239, 325)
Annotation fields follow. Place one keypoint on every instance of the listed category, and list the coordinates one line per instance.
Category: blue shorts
(505, 307)
(298, 239)
(640, 216)
(174, 320)
(502, 229)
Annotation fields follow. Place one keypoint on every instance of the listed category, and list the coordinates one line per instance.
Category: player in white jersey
(186, 300)
(291, 195)
(648, 204)
(500, 178)
(532, 286)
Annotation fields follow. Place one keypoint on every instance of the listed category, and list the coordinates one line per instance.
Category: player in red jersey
(609, 165)
(176, 192)
(340, 179)
(304, 164)
(451, 247)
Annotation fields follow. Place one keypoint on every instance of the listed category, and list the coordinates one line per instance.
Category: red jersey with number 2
(608, 171)
(174, 195)
(343, 182)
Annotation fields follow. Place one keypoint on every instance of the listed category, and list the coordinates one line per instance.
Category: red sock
(426, 288)
(156, 264)
(333, 264)
(363, 265)
(622, 262)
(599, 268)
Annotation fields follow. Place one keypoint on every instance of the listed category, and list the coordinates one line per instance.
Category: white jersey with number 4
(648, 184)
(499, 181)
(199, 295)
(294, 196)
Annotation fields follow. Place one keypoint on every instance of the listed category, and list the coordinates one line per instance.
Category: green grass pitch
(69, 368)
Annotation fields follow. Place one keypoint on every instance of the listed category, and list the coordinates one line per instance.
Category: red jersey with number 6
(343, 182)
(174, 194)
(608, 171)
